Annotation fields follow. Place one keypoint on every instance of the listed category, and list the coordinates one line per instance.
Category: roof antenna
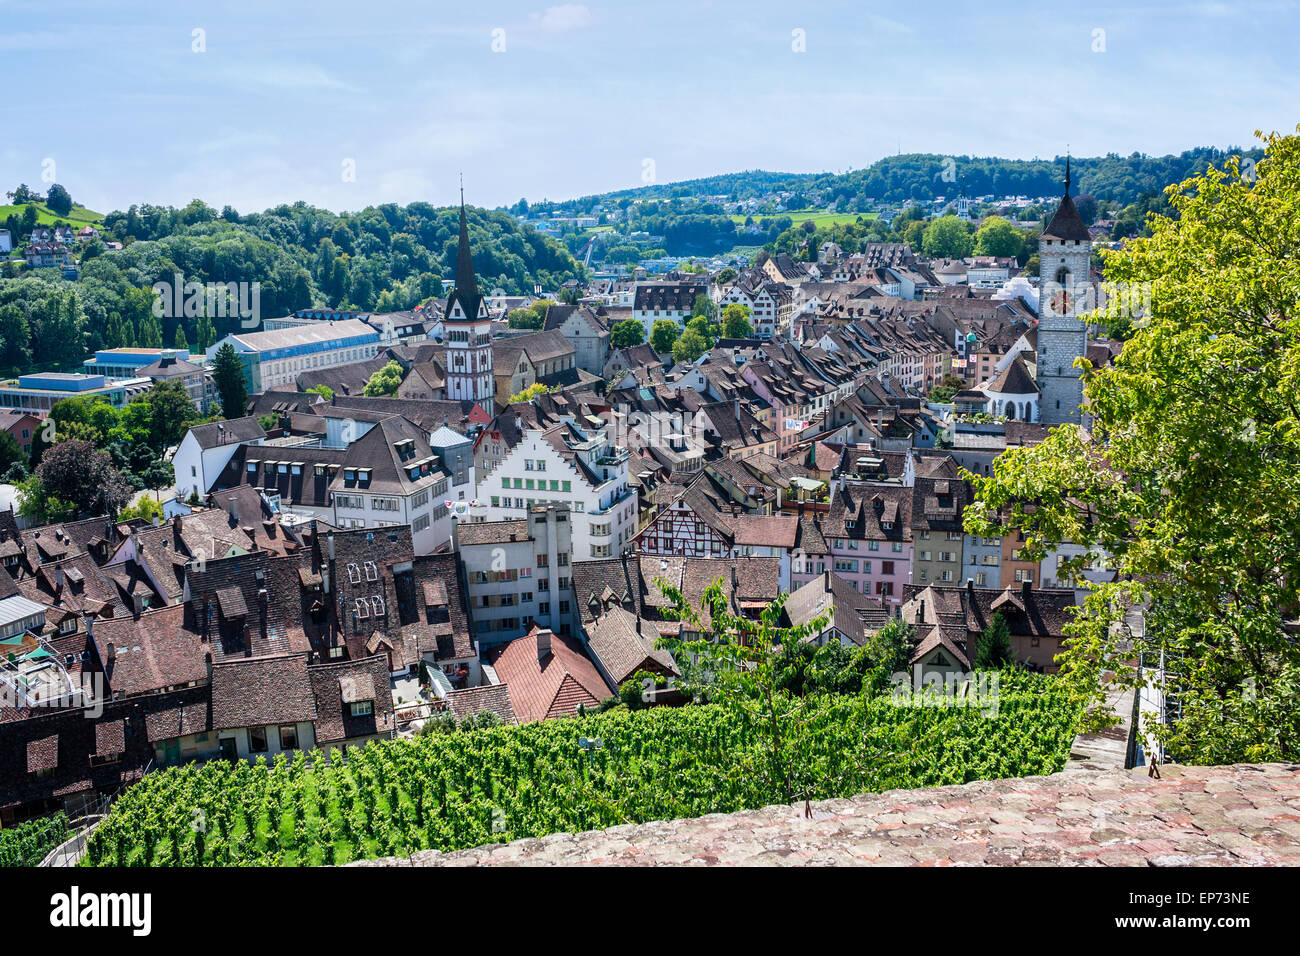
(462, 189)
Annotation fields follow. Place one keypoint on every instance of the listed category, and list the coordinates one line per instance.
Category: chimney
(330, 540)
(543, 643)
(58, 581)
(1024, 590)
(826, 579)
(920, 612)
(111, 656)
(970, 585)
(234, 508)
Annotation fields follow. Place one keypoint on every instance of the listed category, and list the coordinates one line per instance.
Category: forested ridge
(383, 258)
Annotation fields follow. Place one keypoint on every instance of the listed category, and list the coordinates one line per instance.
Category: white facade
(196, 468)
(603, 513)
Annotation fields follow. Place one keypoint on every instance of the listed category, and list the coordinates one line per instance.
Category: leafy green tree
(1190, 479)
(386, 381)
(998, 237)
(663, 334)
(15, 338)
(735, 321)
(947, 238)
(324, 391)
(59, 200)
(690, 346)
(74, 478)
(993, 649)
(524, 319)
(11, 452)
(171, 413)
(704, 306)
(627, 333)
(228, 377)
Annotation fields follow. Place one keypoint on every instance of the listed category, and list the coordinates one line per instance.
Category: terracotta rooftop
(1241, 815)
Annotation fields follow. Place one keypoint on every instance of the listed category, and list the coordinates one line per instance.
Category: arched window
(1062, 276)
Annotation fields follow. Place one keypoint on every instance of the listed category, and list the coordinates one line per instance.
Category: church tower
(468, 329)
(1064, 263)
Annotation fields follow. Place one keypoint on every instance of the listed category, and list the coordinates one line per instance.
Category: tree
(945, 390)
(725, 275)
(528, 394)
(146, 508)
(993, 649)
(324, 391)
(704, 306)
(690, 346)
(59, 200)
(663, 334)
(998, 237)
(171, 413)
(947, 238)
(1190, 479)
(75, 476)
(734, 664)
(627, 333)
(524, 319)
(735, 321)
(228, 377)
(15, 338)
(11, 452)
(386, 381)
(23, 194)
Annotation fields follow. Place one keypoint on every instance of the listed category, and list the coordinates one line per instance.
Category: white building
(205, 451)
(517, 571)
(565, 465)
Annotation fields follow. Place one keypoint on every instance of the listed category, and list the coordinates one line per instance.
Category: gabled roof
(1013, 380)
(553, 686)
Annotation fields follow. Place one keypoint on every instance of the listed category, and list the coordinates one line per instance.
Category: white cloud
(565, 17)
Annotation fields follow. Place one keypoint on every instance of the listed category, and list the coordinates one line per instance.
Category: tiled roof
(466, 701)
(334, 720)
(553, 686)
(261, 690)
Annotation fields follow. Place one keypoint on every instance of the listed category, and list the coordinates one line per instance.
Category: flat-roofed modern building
(126, 363)
(278, 357)
(43, 389)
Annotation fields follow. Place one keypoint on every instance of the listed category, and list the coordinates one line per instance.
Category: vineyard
(26, 844)
(463, 789)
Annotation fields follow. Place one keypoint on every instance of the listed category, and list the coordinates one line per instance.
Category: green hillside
(80, 215)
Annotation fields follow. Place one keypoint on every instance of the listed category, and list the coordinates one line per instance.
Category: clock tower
(467, 326)
(1064, 264)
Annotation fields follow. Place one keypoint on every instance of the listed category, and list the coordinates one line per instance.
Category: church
(467, 328)
(1065, 258)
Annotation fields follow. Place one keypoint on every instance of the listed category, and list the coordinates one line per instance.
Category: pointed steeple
(466, 290)
(1066, 222)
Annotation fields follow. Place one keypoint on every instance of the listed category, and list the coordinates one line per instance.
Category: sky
(349, 104)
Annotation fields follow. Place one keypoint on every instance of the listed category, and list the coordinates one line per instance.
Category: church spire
(466, 290)
(1067, 173)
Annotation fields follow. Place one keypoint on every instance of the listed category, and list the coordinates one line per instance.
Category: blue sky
(413, 93)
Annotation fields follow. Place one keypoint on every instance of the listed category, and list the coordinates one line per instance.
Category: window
(377, 606)
(372, 573)
(420, 524)
(257, 740)
(354, 574)
(361, 608)
(289, 737)
(363, 708)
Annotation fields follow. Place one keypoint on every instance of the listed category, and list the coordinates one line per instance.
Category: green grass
(819, 219)
(80, 216)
